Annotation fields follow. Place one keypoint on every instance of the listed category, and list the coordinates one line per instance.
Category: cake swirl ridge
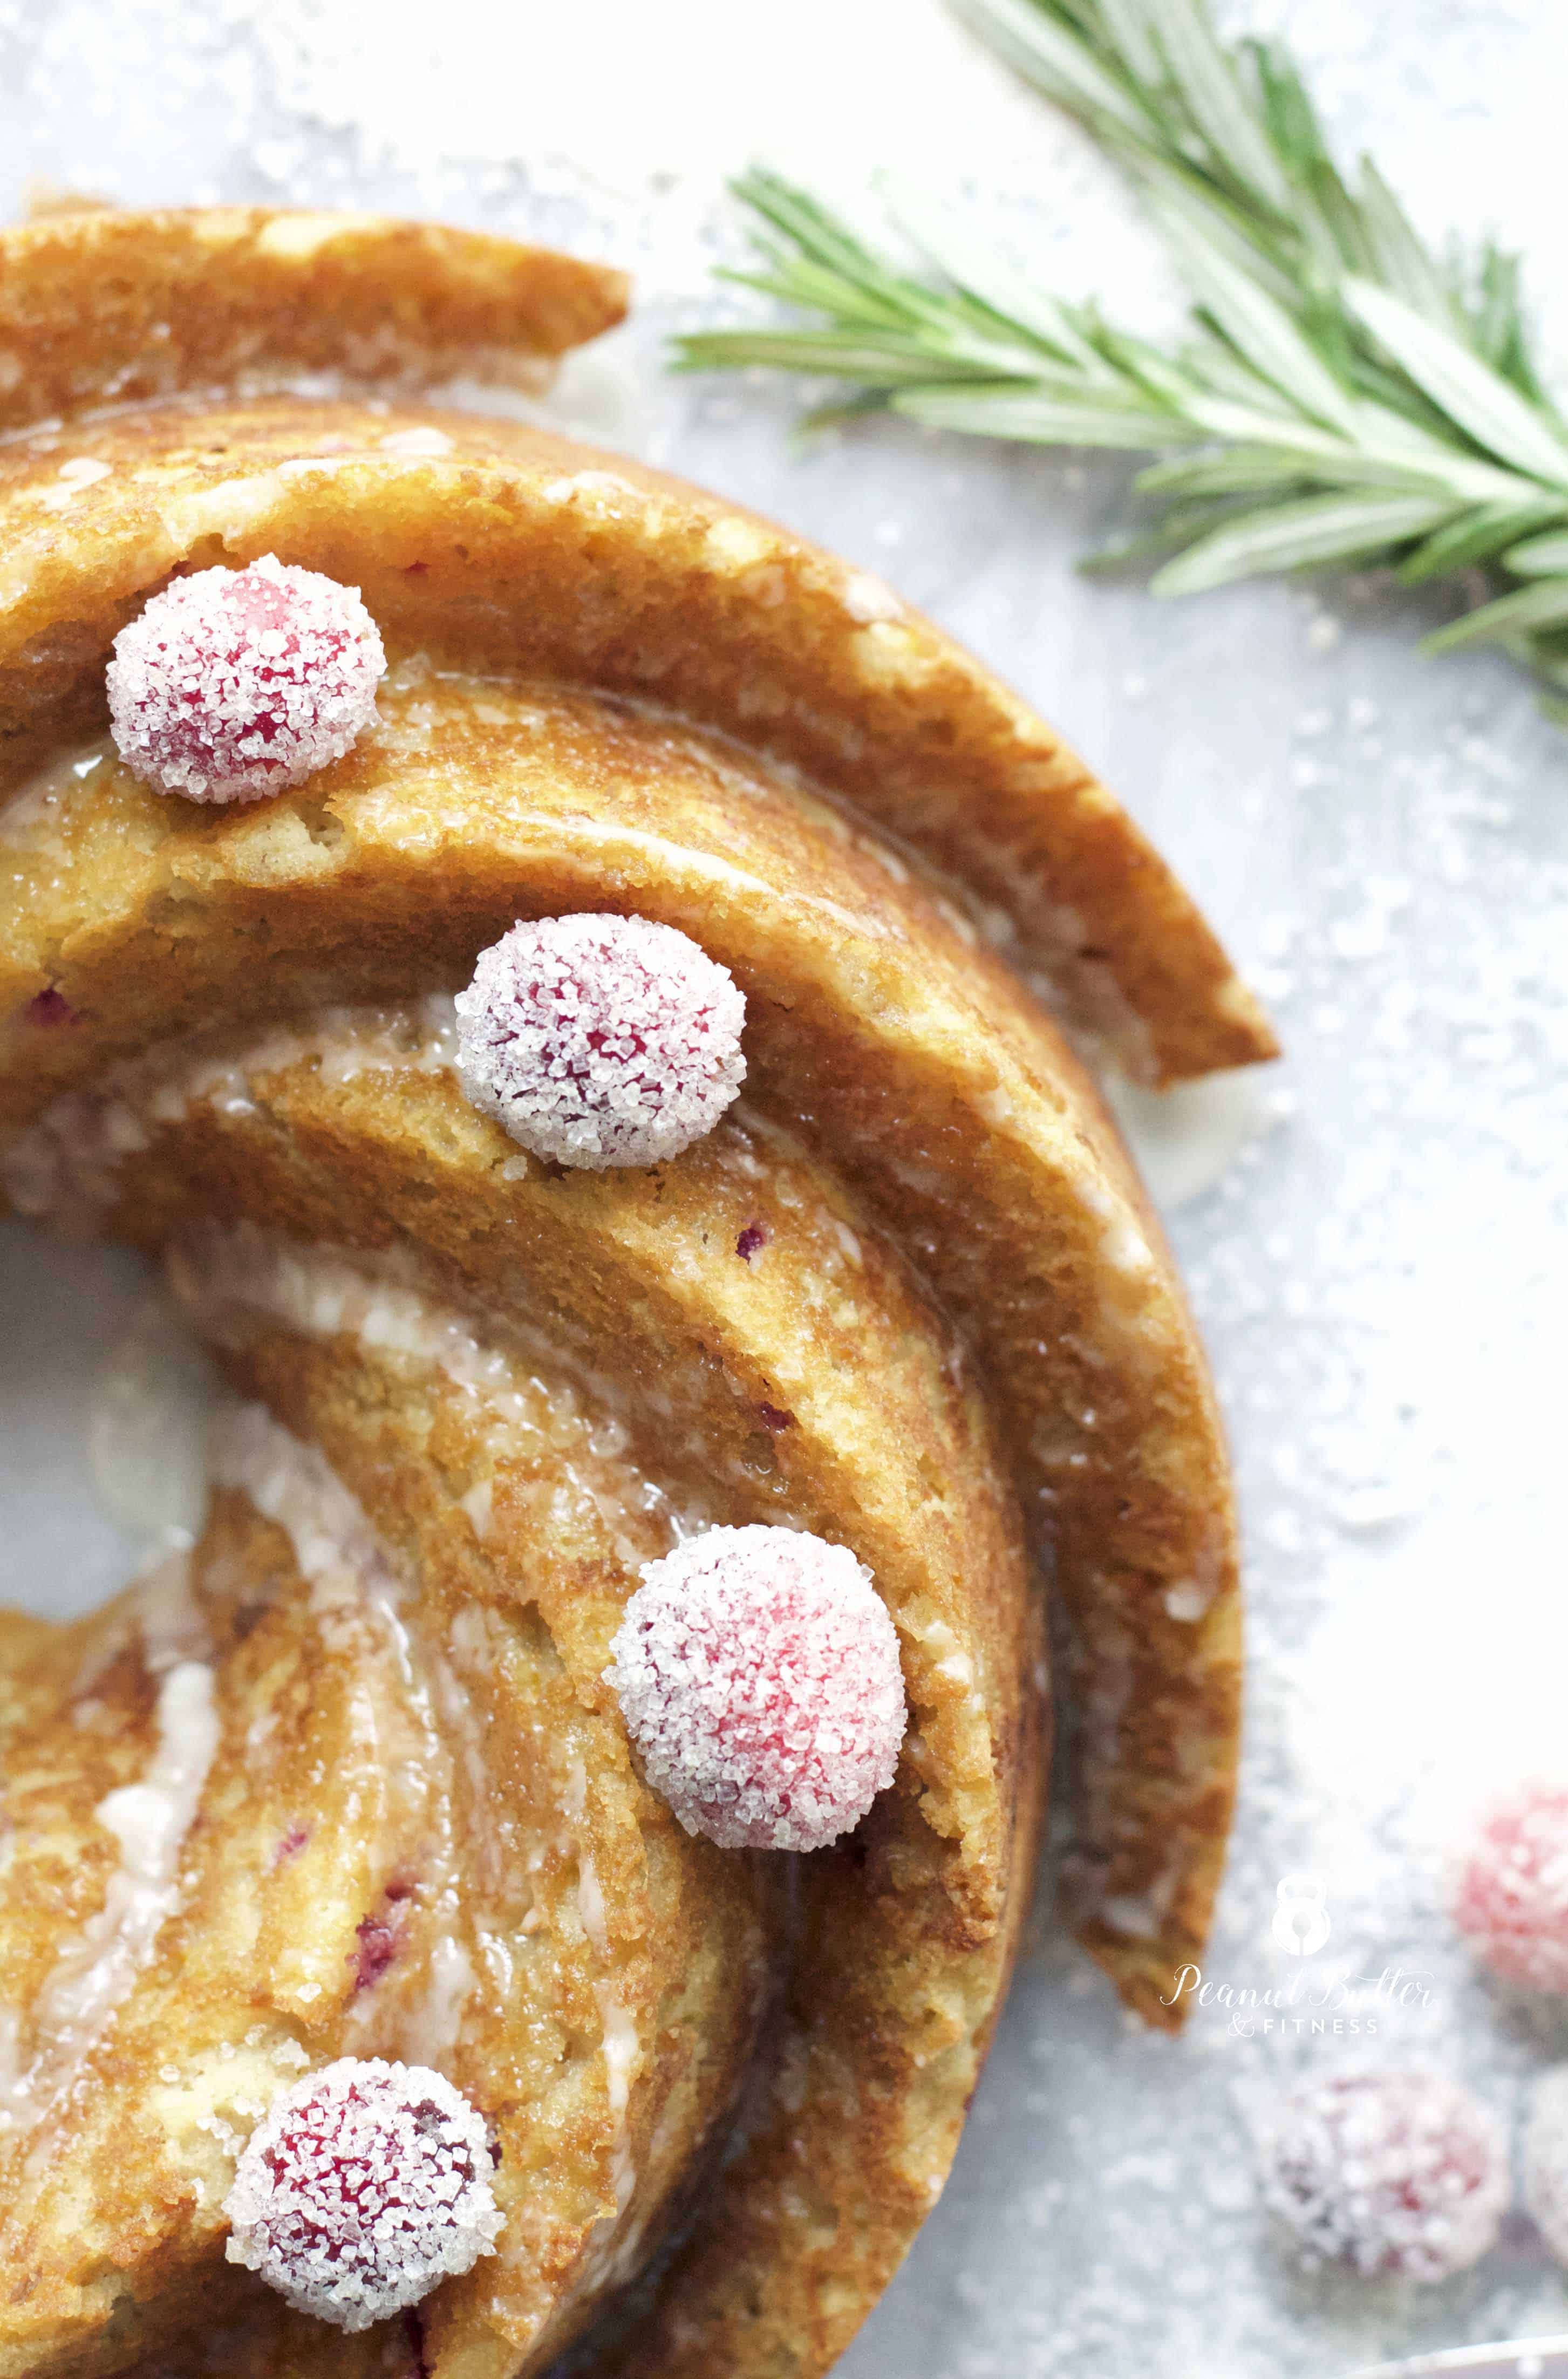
(902, 1297)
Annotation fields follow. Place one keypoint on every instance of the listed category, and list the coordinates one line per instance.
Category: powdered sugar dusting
(1403, 2174)
(235, 684)
(758, 1672)
(601, 1041)
(1545, 2159)
(1379, 1277)
(365, 2185)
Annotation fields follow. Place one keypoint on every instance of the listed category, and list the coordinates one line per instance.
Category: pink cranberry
(758, 1672)
(364, 2187)
(1401, 2173)
(235, 684)
(601, 1041)
(1511, 1895)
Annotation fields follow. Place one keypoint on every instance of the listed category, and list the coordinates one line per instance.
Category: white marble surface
(1384, 842)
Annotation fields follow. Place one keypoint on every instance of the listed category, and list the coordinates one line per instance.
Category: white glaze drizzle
(96, 1971)
(324, 1293)
(360, 1603)
(64, 1165)
(232, 1280)
(152, 1403)
(338, 1554)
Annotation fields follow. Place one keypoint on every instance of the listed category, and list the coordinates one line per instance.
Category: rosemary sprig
(1344, 397)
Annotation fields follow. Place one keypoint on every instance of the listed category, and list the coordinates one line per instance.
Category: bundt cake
(605, 1092)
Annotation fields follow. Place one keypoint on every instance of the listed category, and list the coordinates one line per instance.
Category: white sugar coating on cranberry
(1511, 1890)
(232, 684)
(363, 2187)
(1402, 2174)
(601, 1041)
(1544, 2160)
(757, 1670)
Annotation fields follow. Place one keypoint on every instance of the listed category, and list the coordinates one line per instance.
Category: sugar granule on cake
(601, 1041)
(232, 684)
(1545, 2159)
(1401, 2174)
(1511, 1892)
(757, 1670)
(364, 2186)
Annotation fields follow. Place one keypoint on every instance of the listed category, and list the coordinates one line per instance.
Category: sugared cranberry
(1510, 1893)
(1401, 2173)
(364, 2186)
(600, 1040)
(758, 1672)
(235, 684)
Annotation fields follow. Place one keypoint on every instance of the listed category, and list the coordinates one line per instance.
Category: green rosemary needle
(1343, 396)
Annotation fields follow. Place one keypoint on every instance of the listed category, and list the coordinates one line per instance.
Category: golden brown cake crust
(227, 1037)
(512, 550)
(879, 1034)
(386, 1789)
(894, 1960)
(99, 306)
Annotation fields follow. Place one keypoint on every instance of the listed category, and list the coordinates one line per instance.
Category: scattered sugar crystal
(1545, 2159)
